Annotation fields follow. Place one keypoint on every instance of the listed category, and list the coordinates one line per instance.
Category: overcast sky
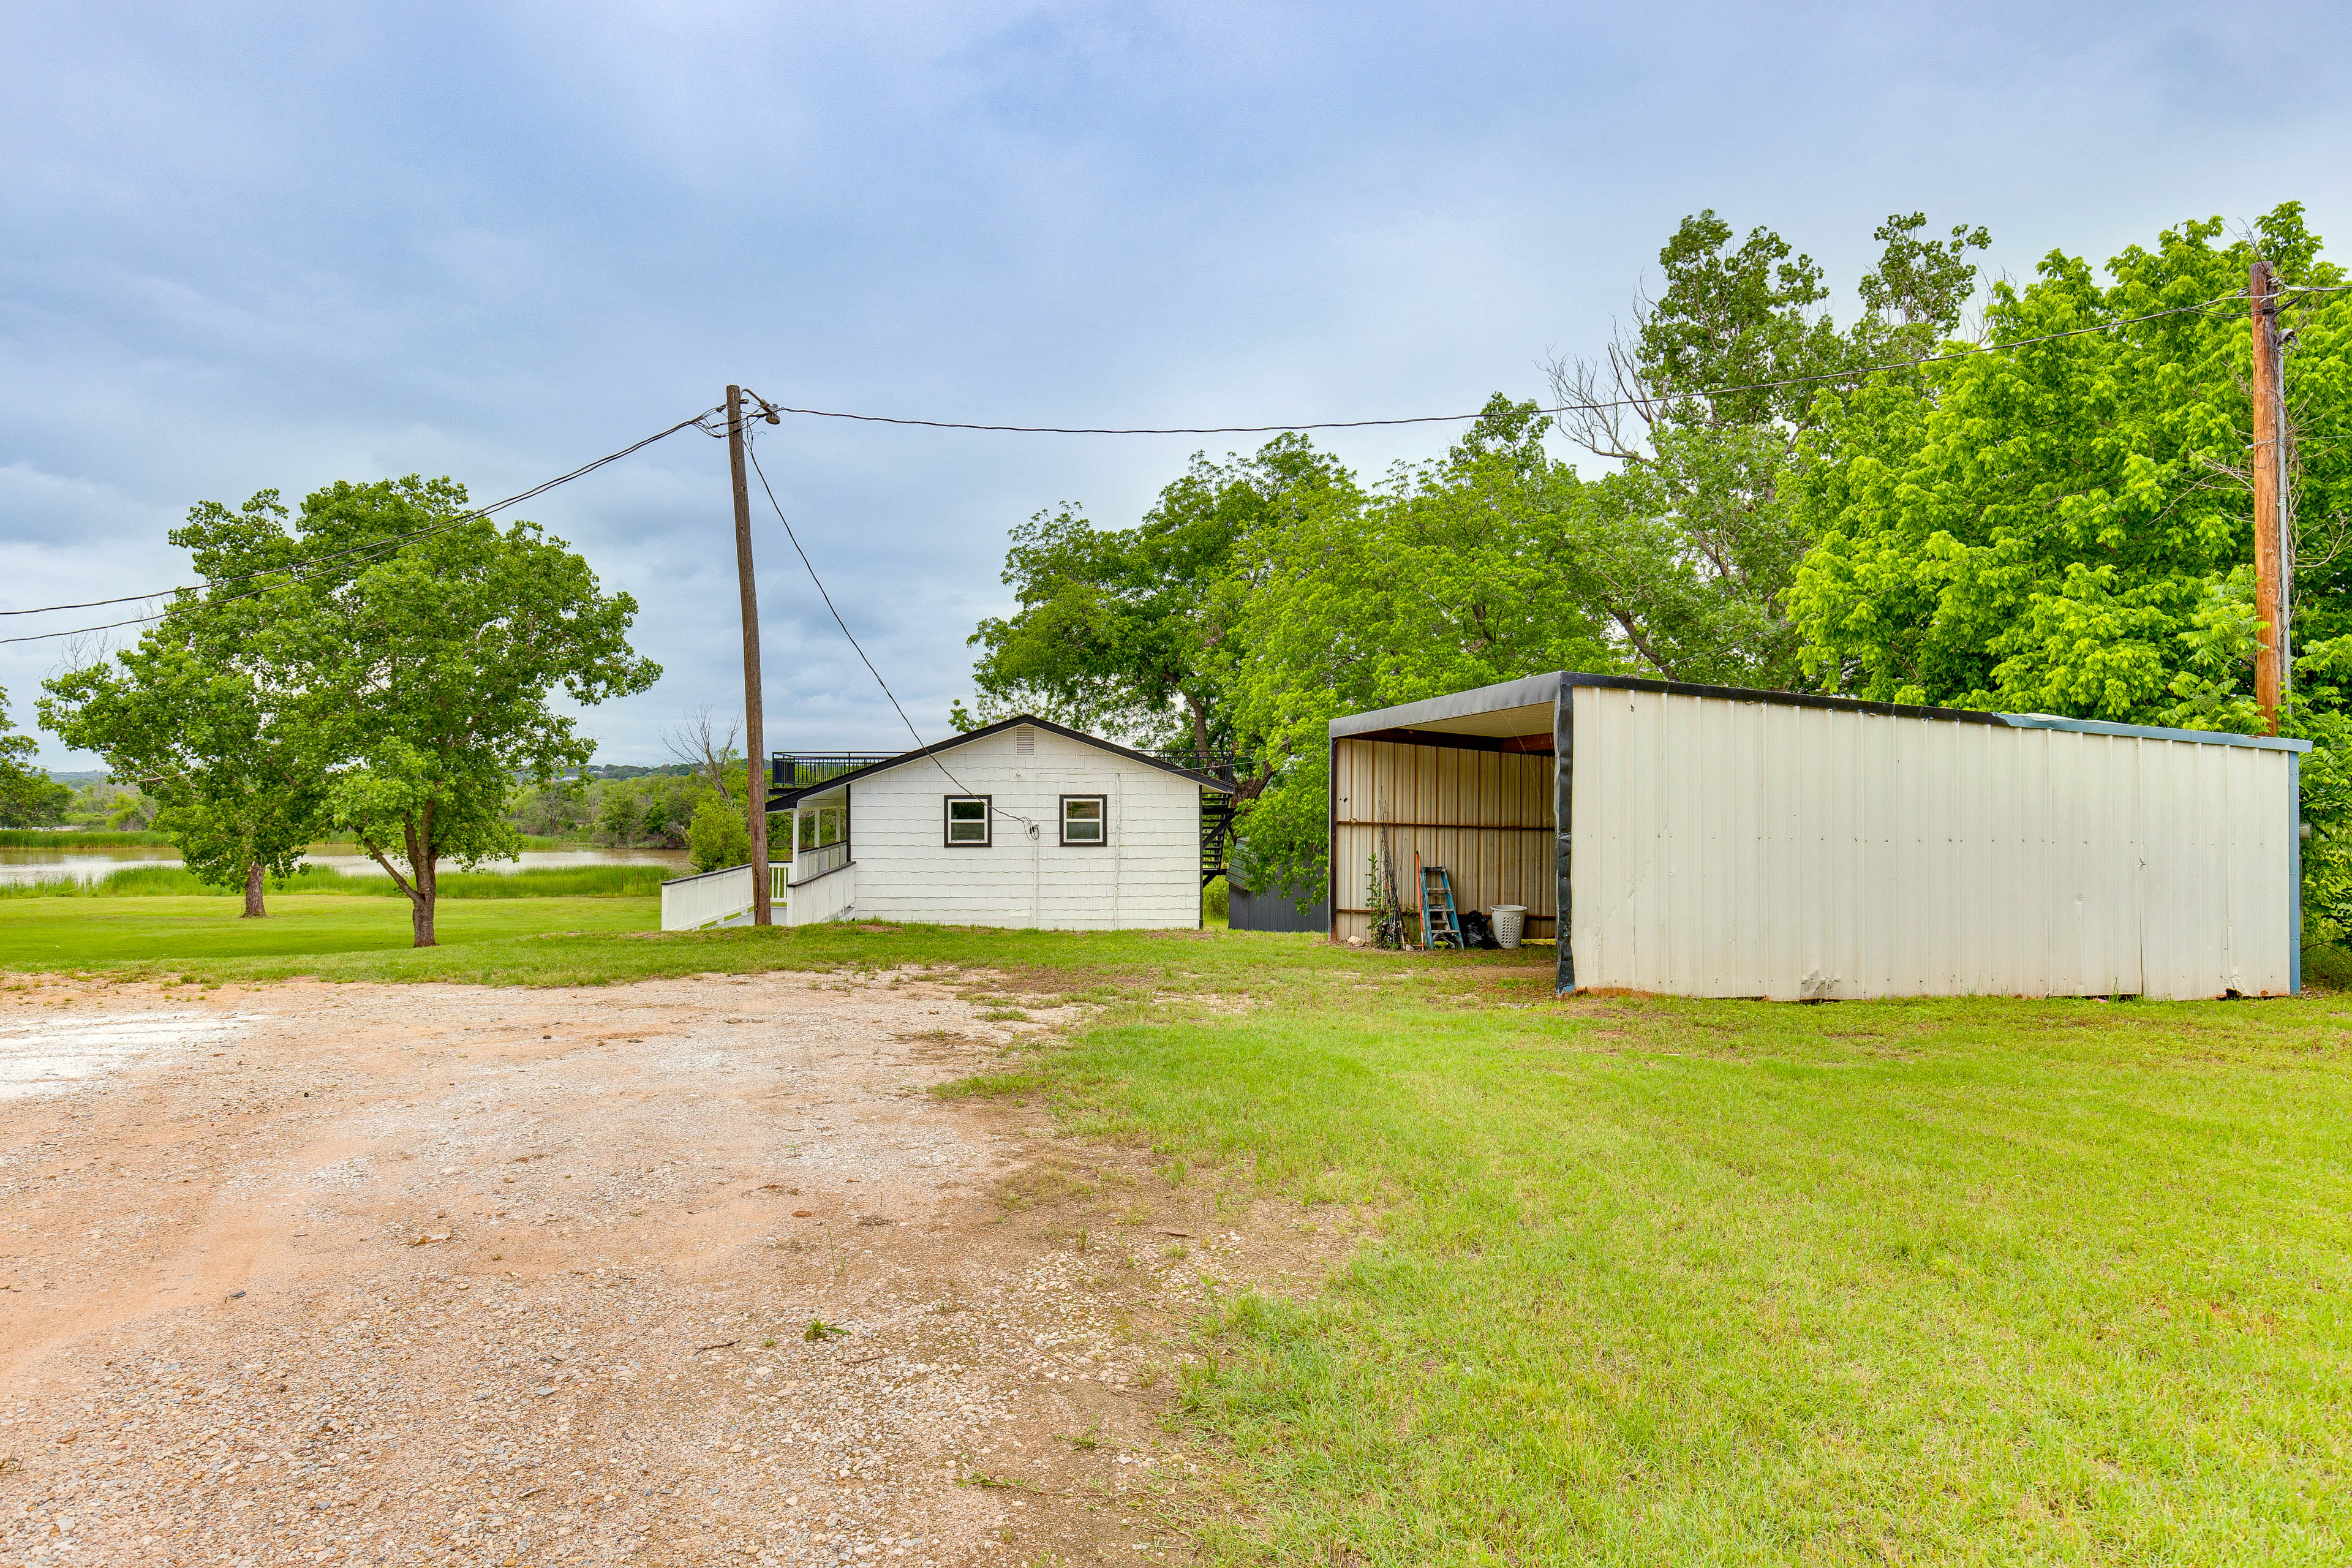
(251, 248)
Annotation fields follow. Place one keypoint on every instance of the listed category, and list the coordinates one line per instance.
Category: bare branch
(699, 743)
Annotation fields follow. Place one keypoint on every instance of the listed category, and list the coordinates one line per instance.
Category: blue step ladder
(1441, 926)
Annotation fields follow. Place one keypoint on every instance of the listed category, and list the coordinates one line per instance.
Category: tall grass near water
(146, 839)
(533, 882)
(77, 838)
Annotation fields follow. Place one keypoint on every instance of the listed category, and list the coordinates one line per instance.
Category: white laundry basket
(1511, 920)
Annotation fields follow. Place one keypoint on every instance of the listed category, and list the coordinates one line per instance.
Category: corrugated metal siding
(1748, 849)
(1486, 817)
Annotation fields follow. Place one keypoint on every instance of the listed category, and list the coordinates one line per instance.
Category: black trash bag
(1477, 931)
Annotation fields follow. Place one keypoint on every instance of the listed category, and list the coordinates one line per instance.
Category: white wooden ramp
(720, 897)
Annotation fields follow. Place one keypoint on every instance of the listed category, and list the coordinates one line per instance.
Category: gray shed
(1712, 841)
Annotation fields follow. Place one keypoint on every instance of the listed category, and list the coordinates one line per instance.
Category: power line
(752, 451)
(1557, 408)
(702, 422)
(370, 551)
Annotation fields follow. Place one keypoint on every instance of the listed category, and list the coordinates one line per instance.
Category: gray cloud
(253, 246)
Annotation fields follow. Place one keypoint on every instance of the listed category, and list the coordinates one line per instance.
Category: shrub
(717, 834)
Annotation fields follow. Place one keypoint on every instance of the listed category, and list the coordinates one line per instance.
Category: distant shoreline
(106, 839)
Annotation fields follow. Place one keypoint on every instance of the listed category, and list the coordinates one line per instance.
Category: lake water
(88, 864)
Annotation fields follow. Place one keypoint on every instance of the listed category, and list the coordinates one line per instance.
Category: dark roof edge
(784, 799)
(1537, 689)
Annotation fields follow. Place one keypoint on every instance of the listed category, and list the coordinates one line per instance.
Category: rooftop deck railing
(791, 770)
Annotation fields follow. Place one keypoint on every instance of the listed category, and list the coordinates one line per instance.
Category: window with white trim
(968, 821)
(1085, 820)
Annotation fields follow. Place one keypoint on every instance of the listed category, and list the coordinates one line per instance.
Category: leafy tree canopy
(28, 797)
(199, 717)
(1261, 597)
(1693, 531)
(720, 834)
(428, 646)
(1468, 569)
(2066, 526)
(1128, 632)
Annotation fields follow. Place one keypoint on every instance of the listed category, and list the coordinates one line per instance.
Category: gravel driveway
(689, 1271)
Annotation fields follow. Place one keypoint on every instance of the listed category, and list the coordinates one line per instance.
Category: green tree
(1131, 632)
(558, 810)
(429, 644)
(718, 835)
(28, 797)
(2066, 526)
(197, 715)
(1455, 573)
(116, 806)
(1262, 597)
(667, 803)
(618, 812)
(1691, 537)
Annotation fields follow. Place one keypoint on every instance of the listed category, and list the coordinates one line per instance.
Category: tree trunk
(422, 873)
(252, 906)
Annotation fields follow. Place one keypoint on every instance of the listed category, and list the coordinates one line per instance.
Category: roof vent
(1024, 741)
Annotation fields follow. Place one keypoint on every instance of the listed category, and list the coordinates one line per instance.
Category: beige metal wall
(1486, 817)
(1732, 848)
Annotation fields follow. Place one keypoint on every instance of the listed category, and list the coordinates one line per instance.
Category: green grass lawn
(1639, 1281)
(1655, 1281)
(303, 934)
(583, 941)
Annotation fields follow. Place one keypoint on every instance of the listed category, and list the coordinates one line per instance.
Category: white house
(1022, 822)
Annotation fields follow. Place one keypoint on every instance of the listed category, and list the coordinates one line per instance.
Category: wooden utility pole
(755, 740)
(2270, 498)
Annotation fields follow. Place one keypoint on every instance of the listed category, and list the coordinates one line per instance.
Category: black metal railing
(789, 770)
(1216, 764)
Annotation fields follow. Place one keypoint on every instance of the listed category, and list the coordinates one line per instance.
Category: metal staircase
(1216, 833)
(1216, 807)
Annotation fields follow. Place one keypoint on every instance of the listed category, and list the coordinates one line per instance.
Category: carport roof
(1524, 706)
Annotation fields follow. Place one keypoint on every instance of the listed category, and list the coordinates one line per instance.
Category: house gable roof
(784, 799)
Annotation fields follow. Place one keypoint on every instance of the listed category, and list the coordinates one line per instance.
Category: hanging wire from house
(372, 550)
(751, 450)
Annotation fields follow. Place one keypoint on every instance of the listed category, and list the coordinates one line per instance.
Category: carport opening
(1472, 793)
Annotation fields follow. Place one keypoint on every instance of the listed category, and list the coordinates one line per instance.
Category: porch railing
(811, 864)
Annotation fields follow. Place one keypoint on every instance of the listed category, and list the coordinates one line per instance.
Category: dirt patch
(681, 1272)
